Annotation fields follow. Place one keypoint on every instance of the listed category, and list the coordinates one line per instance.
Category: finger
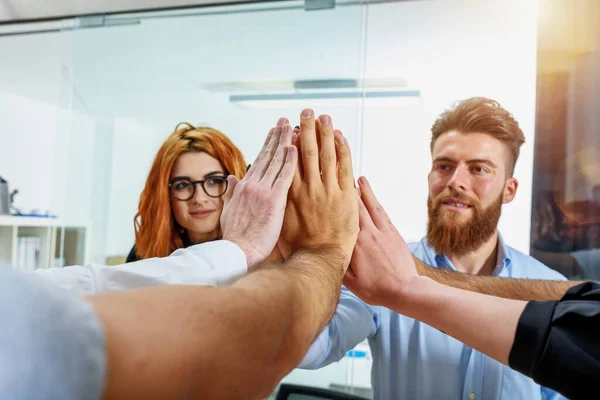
(298, 174)
(364, 218)
(277, 162)
(309, 147)
(297, 179)
(253, 167)
(282, 121)
(284, 180)
(287, 138)
(264, 159)
(344, 160)
(232, 182)
(327, 153)
(378, 215)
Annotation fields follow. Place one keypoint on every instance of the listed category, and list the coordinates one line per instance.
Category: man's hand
(322, 211)
(381, 265)
(254, 207)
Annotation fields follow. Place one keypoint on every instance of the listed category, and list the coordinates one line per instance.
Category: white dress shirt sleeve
(217, 263)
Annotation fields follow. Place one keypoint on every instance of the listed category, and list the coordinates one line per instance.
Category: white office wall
(49, 170)
(47, 148)
(133, 148)
(28, 135)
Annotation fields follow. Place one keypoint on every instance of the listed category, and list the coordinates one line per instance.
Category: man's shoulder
(526, 266)
(418, 248)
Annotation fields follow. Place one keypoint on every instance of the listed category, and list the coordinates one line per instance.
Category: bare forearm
(485, 323)
(509, 288)
(189, 341)
(317, 276)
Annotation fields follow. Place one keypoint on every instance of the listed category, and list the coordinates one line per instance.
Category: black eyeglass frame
(194, 183)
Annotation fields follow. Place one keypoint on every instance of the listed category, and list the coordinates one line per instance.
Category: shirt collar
(503, 260)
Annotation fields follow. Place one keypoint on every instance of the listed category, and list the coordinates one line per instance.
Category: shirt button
(472, 396)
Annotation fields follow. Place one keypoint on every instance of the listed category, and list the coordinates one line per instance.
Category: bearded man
(474, 148)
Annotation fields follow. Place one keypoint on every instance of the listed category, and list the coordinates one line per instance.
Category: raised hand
(322, 210)
(382, 264)
(254, 207)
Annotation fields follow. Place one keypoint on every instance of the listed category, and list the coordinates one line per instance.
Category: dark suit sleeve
(132, 257)
(557, 343)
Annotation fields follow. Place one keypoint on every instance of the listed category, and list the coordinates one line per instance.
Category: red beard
(448, 235)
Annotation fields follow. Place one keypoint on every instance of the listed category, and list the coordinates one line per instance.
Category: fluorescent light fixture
(382, 98)
(266, 86)
(332, 92)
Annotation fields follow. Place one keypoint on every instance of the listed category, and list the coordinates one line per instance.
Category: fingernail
(282, 121)
(363, 181)
(307, 113)
(325, 119)
(340, 139)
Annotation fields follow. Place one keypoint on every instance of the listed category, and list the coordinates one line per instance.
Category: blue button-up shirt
(412, 360)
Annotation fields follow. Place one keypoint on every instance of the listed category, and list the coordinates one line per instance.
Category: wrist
(407, 296)
(318, 274)
(329, 259)
(252, 258)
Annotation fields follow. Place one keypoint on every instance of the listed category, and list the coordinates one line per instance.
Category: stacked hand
(254, 207)
(309, 188)
(322, 211)
(382, 265)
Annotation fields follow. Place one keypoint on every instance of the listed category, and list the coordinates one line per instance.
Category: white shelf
(72, 250)
(12, 220)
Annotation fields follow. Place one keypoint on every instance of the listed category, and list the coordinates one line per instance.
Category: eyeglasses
(184, 189)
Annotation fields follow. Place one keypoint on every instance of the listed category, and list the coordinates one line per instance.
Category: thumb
(232, 182)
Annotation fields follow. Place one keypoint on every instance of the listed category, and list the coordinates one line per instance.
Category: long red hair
(157, 233)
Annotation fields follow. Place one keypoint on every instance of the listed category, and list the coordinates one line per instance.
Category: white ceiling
(20, 10)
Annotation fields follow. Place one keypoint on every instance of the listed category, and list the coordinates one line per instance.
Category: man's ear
(510, 190)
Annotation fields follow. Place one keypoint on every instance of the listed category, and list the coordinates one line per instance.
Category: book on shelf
(28, 253)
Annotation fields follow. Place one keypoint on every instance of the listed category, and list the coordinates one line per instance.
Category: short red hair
(482, 115)
(157, 233)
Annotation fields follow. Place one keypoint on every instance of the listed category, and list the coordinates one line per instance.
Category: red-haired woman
(182, 201)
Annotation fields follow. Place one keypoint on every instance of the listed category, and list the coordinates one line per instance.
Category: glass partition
(233, 68)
